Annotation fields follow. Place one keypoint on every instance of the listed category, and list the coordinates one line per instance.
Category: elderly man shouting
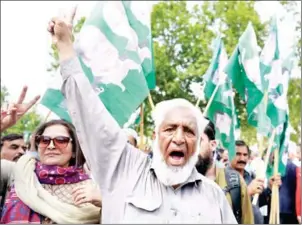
(135, 188)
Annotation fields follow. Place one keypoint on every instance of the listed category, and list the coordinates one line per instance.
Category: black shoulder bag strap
(234, 188)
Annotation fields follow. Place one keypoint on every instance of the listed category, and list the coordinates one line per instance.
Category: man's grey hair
(164, 107)
(172, 175)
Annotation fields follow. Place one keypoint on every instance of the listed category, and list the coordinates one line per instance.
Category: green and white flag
(243, 69)
(281, 144)
(275, 81)
(115, 49)
(266, 116)
(133, 120)
(283, 130)
(222, 109)
(259, 117)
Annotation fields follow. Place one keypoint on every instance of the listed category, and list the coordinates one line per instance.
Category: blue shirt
(288, 189)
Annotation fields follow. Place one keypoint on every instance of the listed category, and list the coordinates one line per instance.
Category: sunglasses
(59, 142)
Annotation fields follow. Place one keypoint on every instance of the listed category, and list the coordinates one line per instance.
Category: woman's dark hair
(210, 130)
(79, 158)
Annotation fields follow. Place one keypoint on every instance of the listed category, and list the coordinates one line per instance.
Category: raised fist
(61, 28)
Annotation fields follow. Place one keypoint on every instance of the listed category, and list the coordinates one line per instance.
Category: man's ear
(213, 144)
(153, 136)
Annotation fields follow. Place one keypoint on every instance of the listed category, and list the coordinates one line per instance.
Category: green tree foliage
(29, 122)
(294, 102)
(183, 44)
(4, 94)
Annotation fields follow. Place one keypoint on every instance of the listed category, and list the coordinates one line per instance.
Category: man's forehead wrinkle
(173, 122)
(189, 125)
(187, 117)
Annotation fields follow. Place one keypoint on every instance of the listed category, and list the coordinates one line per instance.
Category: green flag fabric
(267, 114)
(275, 81)
(259, 117)
(282, 137)
(133, 120)
(222, 109)
(281, 144)
(115, 50)
(244, 72)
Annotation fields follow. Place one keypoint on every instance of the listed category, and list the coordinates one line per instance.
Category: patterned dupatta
(16, 212)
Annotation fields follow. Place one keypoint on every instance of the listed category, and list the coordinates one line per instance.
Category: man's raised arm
(103, 142)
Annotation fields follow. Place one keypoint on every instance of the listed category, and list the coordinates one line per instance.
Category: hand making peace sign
(15, 111)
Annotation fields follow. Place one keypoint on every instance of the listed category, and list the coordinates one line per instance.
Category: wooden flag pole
(273, 211)
(278, 206)
(48, 114)
(277, 200)
(141, 144)
(261, 143)
(274, 214)
(197, 103)
(210, 100)
(151, 101)
(271, 143)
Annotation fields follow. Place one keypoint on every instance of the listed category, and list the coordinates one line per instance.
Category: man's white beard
(172, 175)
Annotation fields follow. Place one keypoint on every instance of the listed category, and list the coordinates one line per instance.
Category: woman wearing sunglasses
(43, 191)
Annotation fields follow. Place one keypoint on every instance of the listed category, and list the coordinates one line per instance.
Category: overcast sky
(25, 43)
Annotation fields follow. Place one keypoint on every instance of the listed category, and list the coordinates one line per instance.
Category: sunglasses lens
(43, 141)
(61, 142)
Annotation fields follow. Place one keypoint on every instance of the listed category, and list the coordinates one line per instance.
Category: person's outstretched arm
(103, 142)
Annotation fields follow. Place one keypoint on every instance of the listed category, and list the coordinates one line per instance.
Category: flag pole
(48, 114)
(277, 200)
(261, 147)
(271, 143)
(275, 191)
(151, 101)
(197, 103)
(273, 211)
(210, 100)
(261, 142)
(141, 144)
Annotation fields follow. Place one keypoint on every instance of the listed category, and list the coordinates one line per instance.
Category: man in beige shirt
(135, 188)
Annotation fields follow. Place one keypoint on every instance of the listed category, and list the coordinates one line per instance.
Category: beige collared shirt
(130, 189)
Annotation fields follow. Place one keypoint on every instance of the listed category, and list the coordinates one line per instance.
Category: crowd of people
(92, 171)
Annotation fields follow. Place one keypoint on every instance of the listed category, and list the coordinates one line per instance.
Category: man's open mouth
(177, 155)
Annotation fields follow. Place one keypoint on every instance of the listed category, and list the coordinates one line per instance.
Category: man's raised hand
(60, 29)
